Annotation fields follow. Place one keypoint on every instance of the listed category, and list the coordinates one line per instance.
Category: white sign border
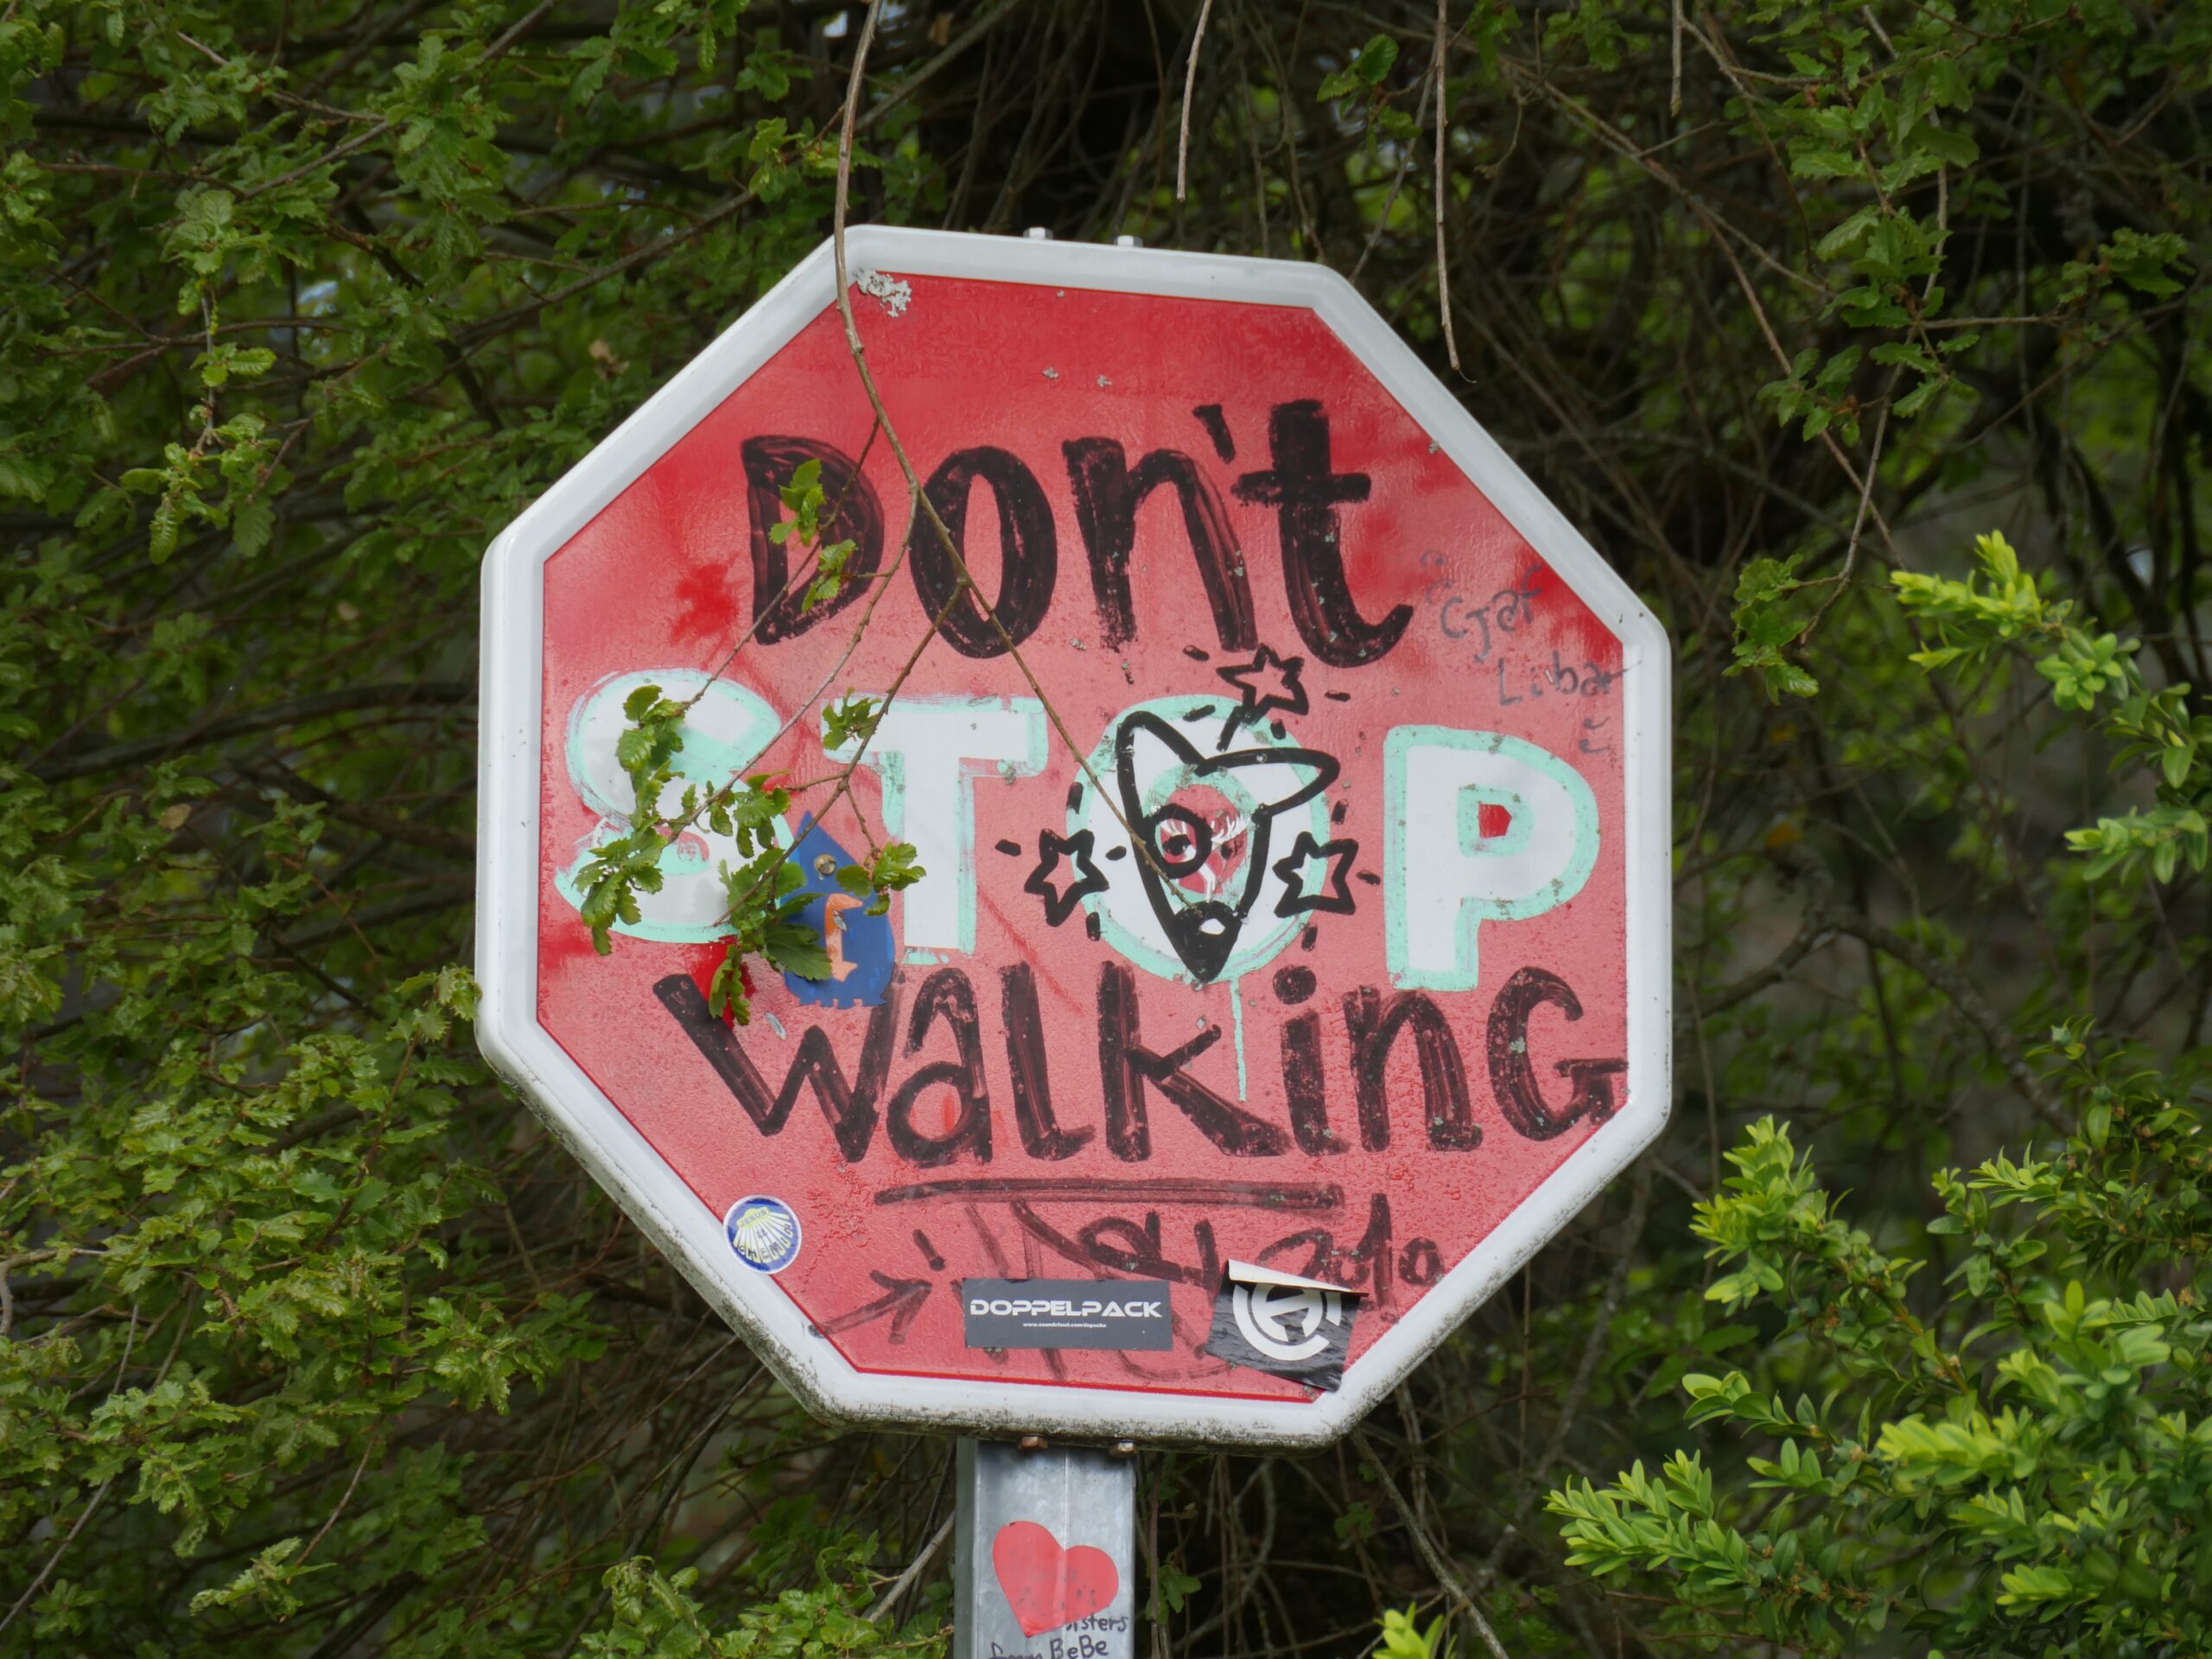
(624, 1162)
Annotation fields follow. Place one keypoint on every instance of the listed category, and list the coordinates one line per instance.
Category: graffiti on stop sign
(1277, 898)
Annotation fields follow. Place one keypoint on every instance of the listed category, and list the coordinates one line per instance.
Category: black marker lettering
(1125, 1067)
(1375, 1028)
(1306, 1085)
(1164, 1189)
(858, 518)
(1320, 1248)
(1306, 495)
(1420, 1264)
(1041, 1134)
(1369, 1262)
(849, 1107)
(944, 995)
(1513, 1074)
(1028, 552)
(1109, 492)
(1122, 1245)
(1128, 1131)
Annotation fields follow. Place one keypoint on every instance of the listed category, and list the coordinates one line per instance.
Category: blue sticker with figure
(764, 1232)
(861, 950)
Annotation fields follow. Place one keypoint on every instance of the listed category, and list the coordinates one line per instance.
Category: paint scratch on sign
(880, 285)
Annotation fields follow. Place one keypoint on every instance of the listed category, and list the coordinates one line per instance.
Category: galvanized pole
(1044, 1562)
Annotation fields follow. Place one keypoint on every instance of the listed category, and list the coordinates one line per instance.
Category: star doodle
(1088, 878)
(1333, 894)
(1266, 682)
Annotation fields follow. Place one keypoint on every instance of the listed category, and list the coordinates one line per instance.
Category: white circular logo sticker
(1265, 1314)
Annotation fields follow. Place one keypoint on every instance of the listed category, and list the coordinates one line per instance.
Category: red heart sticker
(1048, 1586)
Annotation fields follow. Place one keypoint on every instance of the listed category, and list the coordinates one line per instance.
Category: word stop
(1476, 826)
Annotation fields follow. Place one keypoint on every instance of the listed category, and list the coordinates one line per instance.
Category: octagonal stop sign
(1292, 959)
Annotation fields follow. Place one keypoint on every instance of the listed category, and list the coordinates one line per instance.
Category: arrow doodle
(901, 1301)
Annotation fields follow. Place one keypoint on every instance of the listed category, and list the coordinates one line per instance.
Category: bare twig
(1969, 1002)
(964, 580)
(346, 1497)
(31, 1589)
(1674, 83)
(1429, 1553)
(1190, 82)
(1443, 182)
(905, 1581)
(1594, 1348)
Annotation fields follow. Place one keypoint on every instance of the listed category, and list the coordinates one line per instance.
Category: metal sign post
(1045, 1553)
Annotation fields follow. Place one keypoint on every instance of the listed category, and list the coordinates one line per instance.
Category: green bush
(2022, 1465)
(312, 1345)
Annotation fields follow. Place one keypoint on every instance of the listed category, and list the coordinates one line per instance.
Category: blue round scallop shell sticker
(764, 1232)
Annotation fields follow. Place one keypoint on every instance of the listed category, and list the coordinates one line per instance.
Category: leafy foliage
(656, 1617)
(1404, 1636)
(763, 919)
(2021, 1469)
(2161, 731)
(313, 1345)
(766, 895)
(1775, 611)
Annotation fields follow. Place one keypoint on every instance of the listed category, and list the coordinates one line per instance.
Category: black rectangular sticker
(1284, 1325)
(1066, 1313)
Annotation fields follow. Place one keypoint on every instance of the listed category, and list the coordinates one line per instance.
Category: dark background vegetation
(313, 1344)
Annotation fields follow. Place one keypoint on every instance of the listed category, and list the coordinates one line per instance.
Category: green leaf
(847, 724)
(1368, 69)
(1170, 1588)
(1774, 611)
(798, 951)
(252, 524)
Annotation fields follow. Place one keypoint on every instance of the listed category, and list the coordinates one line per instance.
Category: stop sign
(1293, 955)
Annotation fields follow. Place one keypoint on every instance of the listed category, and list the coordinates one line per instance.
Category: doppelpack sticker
(1066, 1314)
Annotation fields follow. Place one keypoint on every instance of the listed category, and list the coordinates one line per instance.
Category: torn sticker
(882, 287)
(1280, 1323)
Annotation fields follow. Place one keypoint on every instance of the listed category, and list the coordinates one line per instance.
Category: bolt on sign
(1293, 955)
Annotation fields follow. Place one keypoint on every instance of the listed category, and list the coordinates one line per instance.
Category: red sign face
(1312, 953)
